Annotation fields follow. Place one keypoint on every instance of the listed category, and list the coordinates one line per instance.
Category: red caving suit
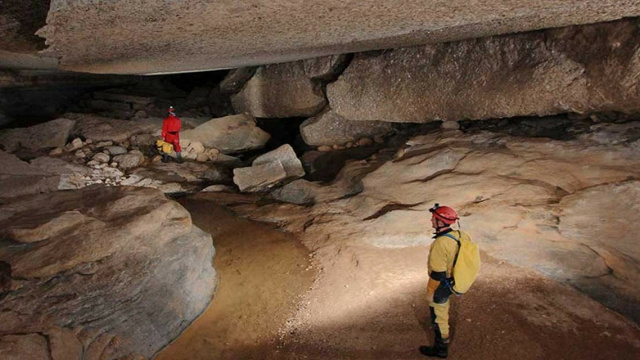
(171, 131)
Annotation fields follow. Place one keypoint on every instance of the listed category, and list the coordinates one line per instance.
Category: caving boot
(165, 158)
(179, 156)
(440, 349)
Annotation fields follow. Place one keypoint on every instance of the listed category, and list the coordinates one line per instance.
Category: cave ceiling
(159, 36)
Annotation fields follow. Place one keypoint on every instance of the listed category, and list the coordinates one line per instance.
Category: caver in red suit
(171, 132)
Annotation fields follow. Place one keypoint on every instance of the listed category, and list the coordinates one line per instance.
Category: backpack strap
(455, 260)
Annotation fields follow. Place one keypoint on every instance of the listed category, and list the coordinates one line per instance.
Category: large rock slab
(98, 128)
(281, 31)
(104, 272)
(329, 128)
(230, 134)
(51, 134)
(280, 91)
(583, 69)
(259, 177)
(19, 178)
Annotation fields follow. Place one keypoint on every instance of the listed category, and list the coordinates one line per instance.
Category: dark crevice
(389, 208)
(29, 16)
(430, 177)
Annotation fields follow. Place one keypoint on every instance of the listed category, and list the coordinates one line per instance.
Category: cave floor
(278, 300)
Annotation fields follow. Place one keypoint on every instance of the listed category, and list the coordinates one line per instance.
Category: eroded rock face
(230, 134)
(108, 272)
(578, 69)
(329, 128)
(280, 91)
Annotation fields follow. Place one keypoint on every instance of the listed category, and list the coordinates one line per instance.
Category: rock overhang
(134, 37)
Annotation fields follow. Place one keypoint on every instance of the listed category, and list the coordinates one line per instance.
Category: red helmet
(444, 213)
(172, 111)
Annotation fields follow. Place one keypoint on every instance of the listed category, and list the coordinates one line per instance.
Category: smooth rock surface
(109, 273)
(280, 91)
(328, 128)
(230, 134)
(580, 69)
(51, 134)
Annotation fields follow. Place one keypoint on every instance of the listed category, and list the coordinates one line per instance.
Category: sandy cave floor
(277, 300)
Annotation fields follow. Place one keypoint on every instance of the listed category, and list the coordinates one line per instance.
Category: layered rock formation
(99, 273)
(142, 39)
(581, 69)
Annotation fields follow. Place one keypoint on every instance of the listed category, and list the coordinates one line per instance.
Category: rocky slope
(99, 273)
(564, 208)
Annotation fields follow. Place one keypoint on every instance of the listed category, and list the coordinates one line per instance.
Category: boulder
(75, 144)
(269, 170)
(299, 192)
(19, 178)
(129, 161)
(287, 157)
(102, 272)
(51, 134)
(573, 69)
(230, 134)
(101, 158)
(328, 128)
(280, 91)
(259, 177)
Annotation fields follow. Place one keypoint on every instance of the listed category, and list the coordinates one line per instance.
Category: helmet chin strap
(441, 225)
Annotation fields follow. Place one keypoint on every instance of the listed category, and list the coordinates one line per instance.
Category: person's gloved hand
(431, 289)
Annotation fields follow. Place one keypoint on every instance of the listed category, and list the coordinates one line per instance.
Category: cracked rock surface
(99, 273)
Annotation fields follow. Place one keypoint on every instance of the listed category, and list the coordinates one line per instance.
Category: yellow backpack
(164, 147)
(466, 264)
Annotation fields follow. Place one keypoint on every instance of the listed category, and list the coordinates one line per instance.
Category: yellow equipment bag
(164, 147)
(466, 264)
